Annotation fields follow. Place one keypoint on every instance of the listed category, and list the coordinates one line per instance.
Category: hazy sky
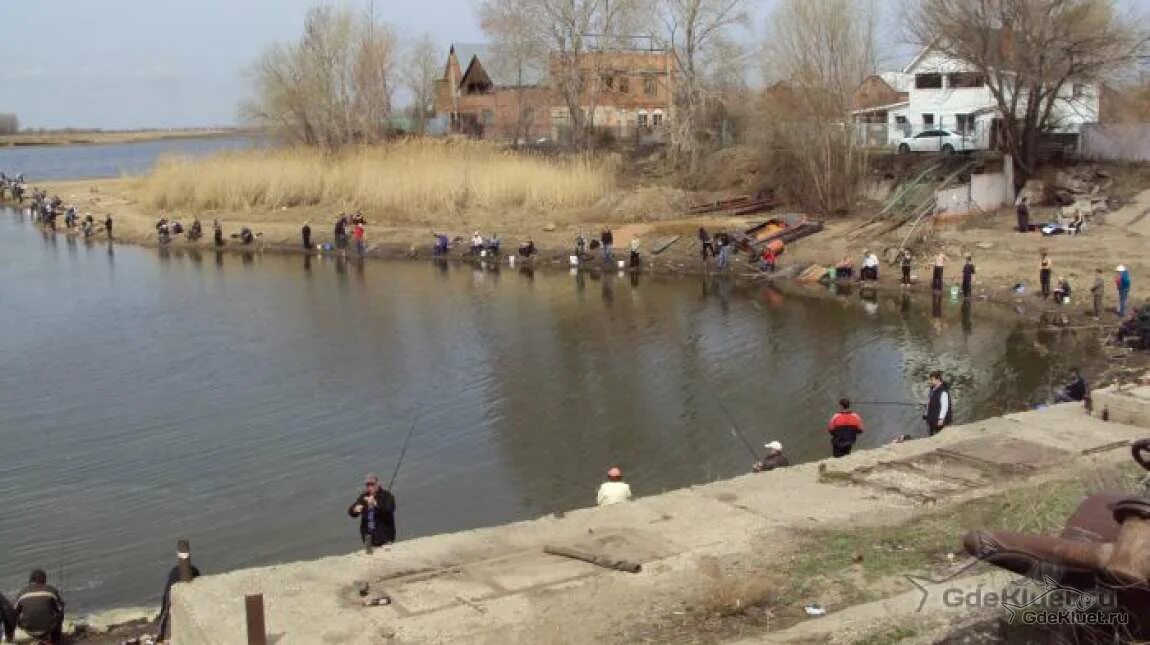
(170, 63)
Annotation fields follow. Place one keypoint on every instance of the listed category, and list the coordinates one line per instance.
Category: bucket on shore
(511, 260)
(622, 263)
(574, 260)
(483, 253)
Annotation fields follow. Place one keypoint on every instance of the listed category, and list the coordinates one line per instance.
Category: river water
(237, 400)
(43, 163)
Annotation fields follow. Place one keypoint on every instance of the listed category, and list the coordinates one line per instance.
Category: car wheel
(947, 149)
(903, 148)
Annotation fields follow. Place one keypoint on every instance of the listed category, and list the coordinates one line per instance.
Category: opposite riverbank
(93, 137)
(720, 562)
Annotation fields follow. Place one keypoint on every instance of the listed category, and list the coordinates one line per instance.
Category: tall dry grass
(418, 175)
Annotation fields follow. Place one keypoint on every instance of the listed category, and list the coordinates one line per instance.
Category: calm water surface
(237, 401)
(44, 163)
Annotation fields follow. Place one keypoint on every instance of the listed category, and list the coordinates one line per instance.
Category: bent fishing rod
(403, 452)
(735, 431)
(907, 404)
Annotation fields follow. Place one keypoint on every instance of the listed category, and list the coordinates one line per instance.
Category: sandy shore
(1003, 257)
(96, 137)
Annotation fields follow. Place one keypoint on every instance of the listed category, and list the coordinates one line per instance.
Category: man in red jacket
(845, 427)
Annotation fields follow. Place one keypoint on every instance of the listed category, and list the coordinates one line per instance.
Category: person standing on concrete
(845, 427)
(607, 239)
(773, 459)
(939, 409)
(40, 609)
(165, 619)
(1122, 281)
(1023, 216)
(375, 508)
(1097, 291)
(305, 233)
(1044, 268)
(967, 277)
(614, 490)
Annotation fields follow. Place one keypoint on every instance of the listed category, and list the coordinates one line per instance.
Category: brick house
(625, 91)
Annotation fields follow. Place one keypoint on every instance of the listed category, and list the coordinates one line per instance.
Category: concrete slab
(530, 570)
(1124, 404)
(1006, 454)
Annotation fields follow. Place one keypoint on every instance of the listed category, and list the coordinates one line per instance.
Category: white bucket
(574, 260)
(622, 264)
(511, 260)
(483, 254)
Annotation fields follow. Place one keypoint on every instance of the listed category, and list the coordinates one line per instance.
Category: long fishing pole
(731, 419)
(901, 403)
(403, 452)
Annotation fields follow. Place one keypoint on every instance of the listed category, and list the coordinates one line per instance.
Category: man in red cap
(614, 490)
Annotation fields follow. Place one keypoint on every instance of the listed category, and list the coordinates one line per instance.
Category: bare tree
(519, 52)
(818, 53)
(330, 88)
(421, 70)
(1032, 53)
(9, 124)
(696, 30)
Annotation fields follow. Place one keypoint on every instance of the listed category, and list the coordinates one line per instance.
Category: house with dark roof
(486, 93)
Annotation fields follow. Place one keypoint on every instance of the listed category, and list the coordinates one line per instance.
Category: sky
(127, 64)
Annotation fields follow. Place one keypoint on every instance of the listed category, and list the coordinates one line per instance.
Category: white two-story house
(936, 91)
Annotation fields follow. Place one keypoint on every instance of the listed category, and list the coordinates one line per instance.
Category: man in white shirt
(870, 266)
(614, 490)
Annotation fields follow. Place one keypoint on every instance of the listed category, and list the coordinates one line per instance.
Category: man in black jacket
(40, 610)
(1074, 391)
(165, 619)
(939, 407)
(7, 620)
(375, 508)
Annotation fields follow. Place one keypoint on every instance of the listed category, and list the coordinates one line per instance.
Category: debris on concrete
(815, 610)
(593, 558)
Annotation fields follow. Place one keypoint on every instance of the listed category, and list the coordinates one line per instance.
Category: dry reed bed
(411, 176)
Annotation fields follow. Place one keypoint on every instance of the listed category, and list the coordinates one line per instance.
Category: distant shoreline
(96, 137)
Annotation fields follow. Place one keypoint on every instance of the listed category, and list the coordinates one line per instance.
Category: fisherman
(1044, 268)
(580, 246)
(86, 227)
(165, 619)
(1097, 291)
(936, 277)
(845, 269)
(359, 232)
(967, 276)
(40, 609)
(375, 508)
(634, 259)
(476, 243)
(70, 217)
(196, 230)
(441, 244)
(768, 260)
(246, 236)
(217, 232)
(705, 244)
(773, 459)
(845, 427)
(870, 267)
(1023, 216)
(1122, 281)
(1062, 291)
(723, 242)
(108, 225)
(527, 249)
(341, 232)
(614, 490)
(305, 233)
(1073, 391)
(493, 245)
(905, 262)
(939, 411)
(7, 620)
(607, 239)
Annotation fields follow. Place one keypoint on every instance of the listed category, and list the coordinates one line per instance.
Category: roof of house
(501, 74)
(898, 81)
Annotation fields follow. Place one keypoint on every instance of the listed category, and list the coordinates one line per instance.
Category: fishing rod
(901, 403)
(403, 452)
(731, 419)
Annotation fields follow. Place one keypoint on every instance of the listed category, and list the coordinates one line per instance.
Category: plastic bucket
(574, 260)
(622, 264)
(483, 254)
(511, 260)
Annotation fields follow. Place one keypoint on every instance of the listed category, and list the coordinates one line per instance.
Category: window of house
(657, 119)
(928, 121)
(488, 117)
(650, 86)
(642, 119)
(927, 81)
(967, 79)
(607, 81)
(964, 123)
(624, 85)
(1078, 90)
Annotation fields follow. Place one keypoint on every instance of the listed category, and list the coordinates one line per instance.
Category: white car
(937, 140)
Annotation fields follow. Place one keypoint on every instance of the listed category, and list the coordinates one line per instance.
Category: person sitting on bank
(165, 619)
(773, 459)
(845, 427)
(40, 609)
(614, 490)
(493, 244)
(869, 270)
(246, 236)
(476, 243)
(527, 249)
(634, 259)
(1074, 391)
(1062, 291)
(844, 269)
(7, 620)
(375, 508)
(196, 230)
(217, 232)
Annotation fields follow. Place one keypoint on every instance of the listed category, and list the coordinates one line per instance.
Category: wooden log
(597, 560)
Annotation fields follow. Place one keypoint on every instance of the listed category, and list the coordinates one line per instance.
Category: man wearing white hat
(773, 459)
(614, 490)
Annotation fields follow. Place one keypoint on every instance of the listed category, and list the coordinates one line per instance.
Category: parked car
(937, 140)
